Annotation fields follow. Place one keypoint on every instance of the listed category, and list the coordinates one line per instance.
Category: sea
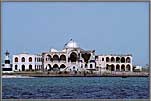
(76, 88)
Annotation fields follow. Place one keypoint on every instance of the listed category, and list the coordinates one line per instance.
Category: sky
(106, 27)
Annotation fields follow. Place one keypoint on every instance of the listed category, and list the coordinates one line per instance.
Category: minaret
(7, 60)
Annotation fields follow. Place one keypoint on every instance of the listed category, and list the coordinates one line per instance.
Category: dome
(53, 50)
(71, 44)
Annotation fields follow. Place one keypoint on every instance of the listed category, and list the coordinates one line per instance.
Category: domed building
(71, 58)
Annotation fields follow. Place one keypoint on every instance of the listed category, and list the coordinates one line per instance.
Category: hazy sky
(110, 27)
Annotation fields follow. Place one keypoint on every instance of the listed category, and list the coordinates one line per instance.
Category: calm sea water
(76, 88)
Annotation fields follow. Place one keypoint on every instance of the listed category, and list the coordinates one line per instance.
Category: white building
(27, 62)
(114, 62)
(71, 58)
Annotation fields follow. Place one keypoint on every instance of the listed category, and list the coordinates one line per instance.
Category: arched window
(117, 67)
(55, 67)
(63, 58)
(16, 67)
(23, 59)
(30, 59)
(48, 58)
(107, 59)
(128, 67)
(123, 67)
(118, 59)
(122, 60)
(56, 58)
(30, 67)
(16, 59)
(91, 66)
(86, 65)
(62, 66)
(112, 67)
(128, 59)
(73, 57)
(23, 67)
(112, 59)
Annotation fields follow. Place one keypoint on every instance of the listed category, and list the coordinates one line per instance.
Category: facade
(115, 62)
(27, 62)
(71, 58)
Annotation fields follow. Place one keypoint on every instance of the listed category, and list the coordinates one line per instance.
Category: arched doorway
(128, 67)
(91, 66)
(30, 67)
(117, 67)
(23, 67)
(55, 67)
(49, 67)
(112, 67)
(73, 57)
(62, 66)
(122, 67)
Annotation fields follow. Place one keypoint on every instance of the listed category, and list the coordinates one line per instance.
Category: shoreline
(32, 75)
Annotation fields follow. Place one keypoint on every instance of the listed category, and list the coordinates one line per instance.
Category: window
(91, 66)
(23, 59)
(30, 59)
(16, 67)
(16, 59)
(102, 59)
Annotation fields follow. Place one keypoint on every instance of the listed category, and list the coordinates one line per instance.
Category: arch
(16, 67)
(23, 59)
(117, 67)
(73, 57)
(48, 58)
(16, 59)
(118, 59)
(122, 67)
(30, 59)
(91, 66)
(107, 67)
(86, 65)
(49, 67)
(56, 58)
(112, 59)
(55, 67)
(107, 59)
(122, 60)
(62, 66)
(23, 67)
(63, 58)
(128, 67)
(128, 60)
(112, 67)
(30, 67)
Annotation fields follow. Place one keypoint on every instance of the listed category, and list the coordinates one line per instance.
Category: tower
(7, 66)
(7, 61)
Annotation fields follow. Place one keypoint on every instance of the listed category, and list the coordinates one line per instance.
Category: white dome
(71, 44)
(53, 50)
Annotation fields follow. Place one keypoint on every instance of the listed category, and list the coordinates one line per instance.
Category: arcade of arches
(117, 67)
